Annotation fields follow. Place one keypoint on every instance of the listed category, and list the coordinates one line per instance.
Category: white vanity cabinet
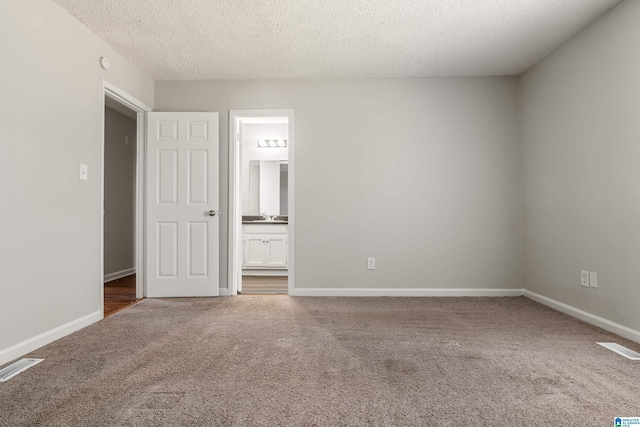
(264, 246)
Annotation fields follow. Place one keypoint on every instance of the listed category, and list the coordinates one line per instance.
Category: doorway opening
(261, 225)
(120, 124)
(121, 168)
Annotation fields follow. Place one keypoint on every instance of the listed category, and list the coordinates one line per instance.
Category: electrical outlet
(593, 279)
(584, 278)
(371, 263)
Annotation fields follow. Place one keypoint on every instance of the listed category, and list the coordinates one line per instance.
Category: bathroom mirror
(268, 187)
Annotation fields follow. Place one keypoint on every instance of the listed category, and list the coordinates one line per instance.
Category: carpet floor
(281, 361)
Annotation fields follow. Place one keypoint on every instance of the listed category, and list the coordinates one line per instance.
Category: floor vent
(15, 368)
(623, 351)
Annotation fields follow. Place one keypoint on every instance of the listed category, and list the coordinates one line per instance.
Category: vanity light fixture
(272, 143)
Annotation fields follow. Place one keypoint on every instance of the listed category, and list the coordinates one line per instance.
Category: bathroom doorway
(261, 226)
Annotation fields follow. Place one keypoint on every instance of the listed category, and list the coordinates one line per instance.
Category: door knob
(212, 213)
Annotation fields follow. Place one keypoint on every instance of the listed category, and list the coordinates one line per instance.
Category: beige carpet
(280, 361)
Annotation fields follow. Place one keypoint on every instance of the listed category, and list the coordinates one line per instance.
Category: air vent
(15, 368)
(623, 351)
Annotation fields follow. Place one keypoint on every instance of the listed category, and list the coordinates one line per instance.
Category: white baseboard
(598, 321)
(48, 337)
(406, 292)
(119, 274)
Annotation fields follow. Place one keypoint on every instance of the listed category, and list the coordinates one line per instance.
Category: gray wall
(423, 174)
(119, 192)
(581, 133)
(50, 122)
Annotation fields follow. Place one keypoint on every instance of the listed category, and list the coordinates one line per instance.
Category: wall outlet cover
(593, 279)
(584, 278)
(371, 263)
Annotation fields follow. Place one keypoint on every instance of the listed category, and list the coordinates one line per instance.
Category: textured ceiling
(253, 39)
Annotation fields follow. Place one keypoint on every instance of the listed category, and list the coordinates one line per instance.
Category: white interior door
(182, 204)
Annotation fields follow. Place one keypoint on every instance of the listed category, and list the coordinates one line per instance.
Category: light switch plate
(83, 172)
(593, 279)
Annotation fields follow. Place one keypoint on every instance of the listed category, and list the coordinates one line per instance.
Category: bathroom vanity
(264, 247)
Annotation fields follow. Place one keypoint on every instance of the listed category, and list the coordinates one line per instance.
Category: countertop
(259, 219)
(262, 222)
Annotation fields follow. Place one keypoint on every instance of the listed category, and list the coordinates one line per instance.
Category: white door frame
(122, 97)
(235, 211)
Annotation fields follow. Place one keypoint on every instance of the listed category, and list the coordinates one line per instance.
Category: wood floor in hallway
(265, 285)
(119, 294)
